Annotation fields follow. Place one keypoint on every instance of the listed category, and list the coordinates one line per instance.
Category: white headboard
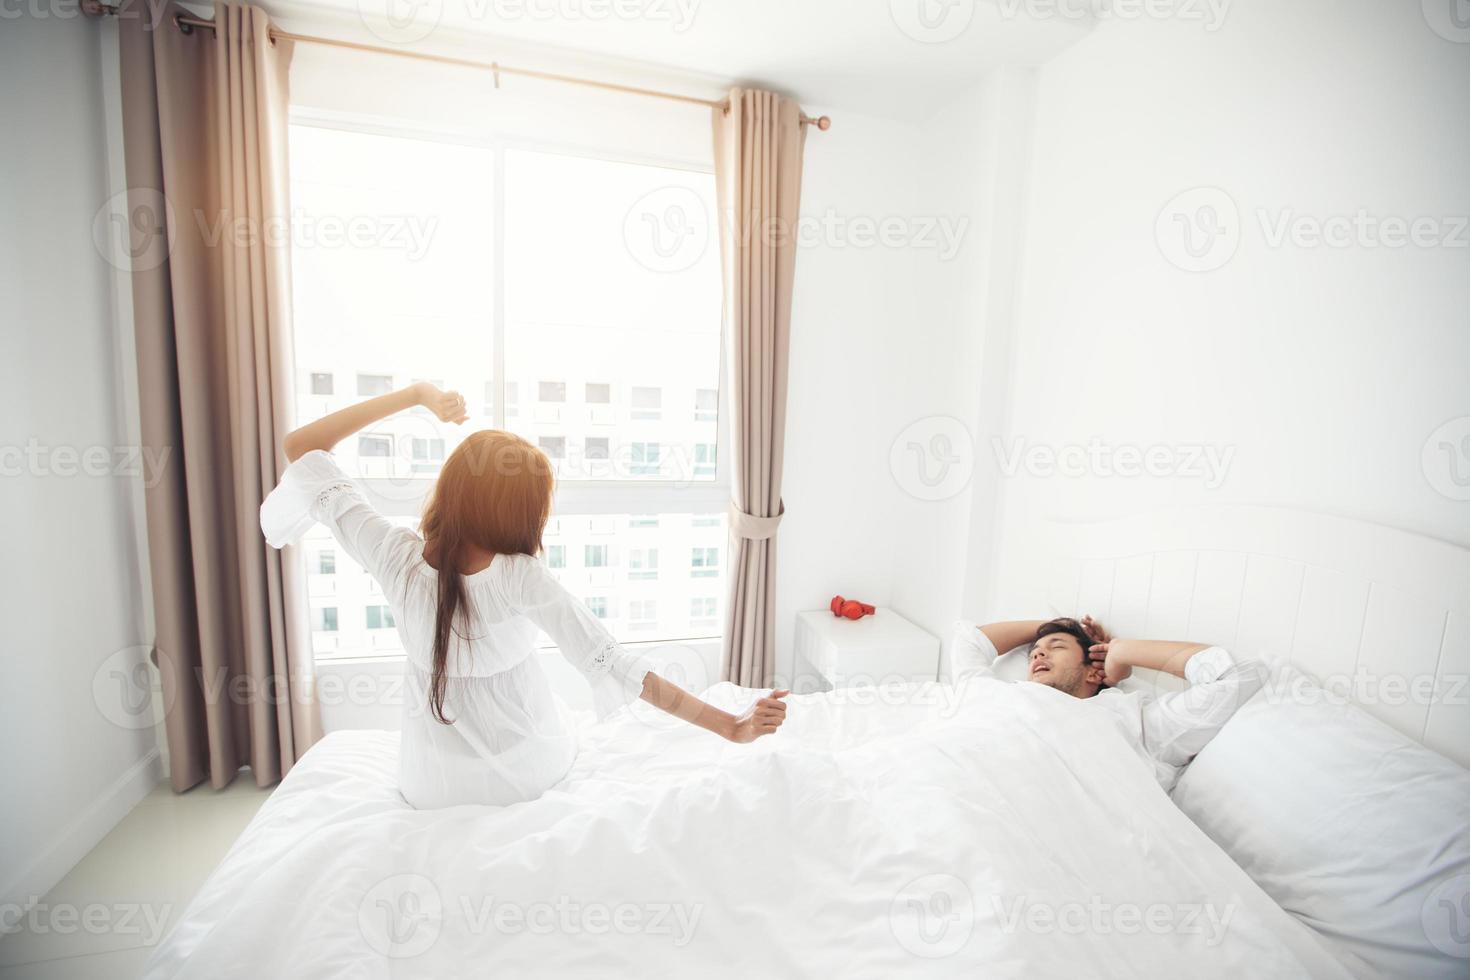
(1380, 616)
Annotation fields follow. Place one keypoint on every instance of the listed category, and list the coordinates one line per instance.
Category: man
(1083, 661)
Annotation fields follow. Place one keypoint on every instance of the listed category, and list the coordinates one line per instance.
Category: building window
(512, 399)
(556, 556)
(599, 394)
(645, 459)
(321, 384)
(374, 446)
(326, 619)
(372, 385)
(643, 520)
(379, 618)
(643, 564)
(706, 404)
(703, 611)
(594, 555)
(642, 613)
(597, 605)
(551, 391)
(428, 450)
(326, 562)
(704, 459)
(598, 448)
(706, 520)
(648, 403)
(555, 447)
(704, 563)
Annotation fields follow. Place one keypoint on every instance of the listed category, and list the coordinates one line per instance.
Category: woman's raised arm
(329, 430)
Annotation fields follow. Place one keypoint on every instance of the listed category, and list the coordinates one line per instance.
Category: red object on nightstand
(850, 608)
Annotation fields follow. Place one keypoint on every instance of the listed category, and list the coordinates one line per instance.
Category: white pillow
(1359, 831)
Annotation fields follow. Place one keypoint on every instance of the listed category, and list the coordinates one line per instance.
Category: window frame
(572, 497)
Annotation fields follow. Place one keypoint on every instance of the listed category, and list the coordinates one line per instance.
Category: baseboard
(77, 838)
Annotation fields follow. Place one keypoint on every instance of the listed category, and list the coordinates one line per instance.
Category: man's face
(1058, 660)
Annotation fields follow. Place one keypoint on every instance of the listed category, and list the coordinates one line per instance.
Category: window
(642, 613)
(704, 459)
(647, 403)
(555, 447)
(321, 384)
(434, 295)
(703, 611)
(372, 385)
(644, 459)
(706, 404)
(375, 446)
(326, 619)
(428, 450)
(643, 521)
(379, 618)
(326, 562)
(643, 563)
(597, 605)
(705, 562)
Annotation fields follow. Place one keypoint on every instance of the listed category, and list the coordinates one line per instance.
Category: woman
(481, 724)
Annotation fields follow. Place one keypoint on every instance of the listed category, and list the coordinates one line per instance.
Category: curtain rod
(187, 25)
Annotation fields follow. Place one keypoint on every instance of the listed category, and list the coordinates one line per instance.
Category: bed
(914, 830)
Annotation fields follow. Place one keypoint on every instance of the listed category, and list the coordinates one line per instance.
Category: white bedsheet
(1005, 830)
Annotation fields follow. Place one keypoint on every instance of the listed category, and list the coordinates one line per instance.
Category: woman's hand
(761, 718)
(448, 406)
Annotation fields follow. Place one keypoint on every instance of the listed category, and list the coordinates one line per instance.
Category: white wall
(1323, 370)
(69, 591)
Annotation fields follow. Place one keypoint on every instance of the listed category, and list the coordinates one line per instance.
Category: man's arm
(1009, 635)
(1121, 656)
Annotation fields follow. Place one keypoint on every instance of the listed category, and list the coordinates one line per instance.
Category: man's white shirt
(1166, 729)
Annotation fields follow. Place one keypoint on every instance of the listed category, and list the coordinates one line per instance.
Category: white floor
(104, 917)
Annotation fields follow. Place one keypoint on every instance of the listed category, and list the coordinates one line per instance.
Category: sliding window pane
(392, 265)
(613, 293)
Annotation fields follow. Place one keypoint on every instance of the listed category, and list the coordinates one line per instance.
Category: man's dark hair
(1069, 626)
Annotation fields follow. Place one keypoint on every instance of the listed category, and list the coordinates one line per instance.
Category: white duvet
(1001, 831)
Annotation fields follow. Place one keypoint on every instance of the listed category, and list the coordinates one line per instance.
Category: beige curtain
(204, 127)
(758, 158)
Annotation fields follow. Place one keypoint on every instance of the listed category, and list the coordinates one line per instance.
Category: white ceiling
(877, 56)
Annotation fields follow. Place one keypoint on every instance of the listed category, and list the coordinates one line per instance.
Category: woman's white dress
(511, 736)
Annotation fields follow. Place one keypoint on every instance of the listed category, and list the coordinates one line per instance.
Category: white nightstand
(883, 648)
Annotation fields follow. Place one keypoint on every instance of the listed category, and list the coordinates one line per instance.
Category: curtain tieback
(754, 528)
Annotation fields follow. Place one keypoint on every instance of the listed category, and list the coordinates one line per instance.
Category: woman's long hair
(494, 493)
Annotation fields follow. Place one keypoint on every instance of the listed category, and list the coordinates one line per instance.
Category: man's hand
(761, 718)
(448, 406)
